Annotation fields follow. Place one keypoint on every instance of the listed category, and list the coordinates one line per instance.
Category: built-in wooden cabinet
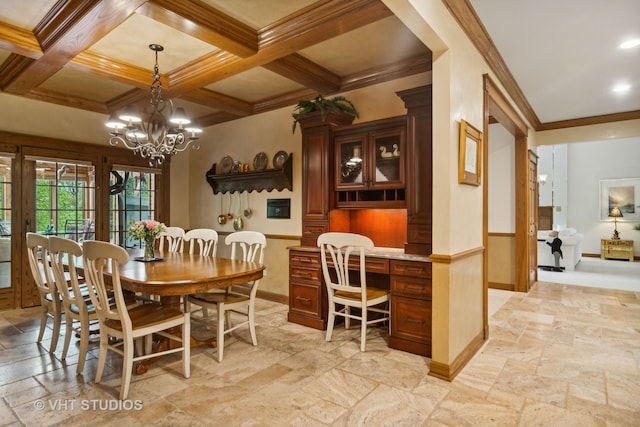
(370, 164)
(307, 295)
(317, 172)
(411, 307)
(350, 174)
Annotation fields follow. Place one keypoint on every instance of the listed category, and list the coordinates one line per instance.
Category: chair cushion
(147, 315)
(372, 293)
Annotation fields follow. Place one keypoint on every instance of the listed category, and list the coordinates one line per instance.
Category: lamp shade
(615, 212)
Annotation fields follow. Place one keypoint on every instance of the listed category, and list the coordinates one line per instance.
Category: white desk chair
(128, 324)
(50, 302)
(335, 269)
(174, 238)
(252, 245)
(203, 241)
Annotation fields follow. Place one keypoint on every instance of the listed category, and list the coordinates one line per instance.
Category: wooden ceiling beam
(309, 74)
(309, 26)
(67, 100)
(68, 29)
(19, 41)
(219, 101)
(202, 21)
(416, 65)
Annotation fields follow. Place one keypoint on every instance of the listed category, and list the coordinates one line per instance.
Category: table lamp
(615, 214)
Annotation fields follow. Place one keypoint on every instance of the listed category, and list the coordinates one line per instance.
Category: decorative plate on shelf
(260, 161)
(279, 159)
(225, 165)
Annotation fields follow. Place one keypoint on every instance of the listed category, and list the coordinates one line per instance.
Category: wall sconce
(542, 178)
(615, 214)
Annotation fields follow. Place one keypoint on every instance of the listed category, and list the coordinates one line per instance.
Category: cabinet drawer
(411, 268)
(305, 259)
(411, 318)
(372, 265)
(297, 274)
(305, 298)
(415, 287)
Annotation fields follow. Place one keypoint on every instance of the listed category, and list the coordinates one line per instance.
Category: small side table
(616, 249)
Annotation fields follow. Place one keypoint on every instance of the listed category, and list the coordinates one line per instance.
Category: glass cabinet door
(349, 170)
(388, 149)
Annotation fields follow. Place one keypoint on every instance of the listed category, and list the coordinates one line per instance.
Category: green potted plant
(324, 105)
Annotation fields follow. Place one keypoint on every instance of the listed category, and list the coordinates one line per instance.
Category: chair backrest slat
(174, 236)
(205, 239)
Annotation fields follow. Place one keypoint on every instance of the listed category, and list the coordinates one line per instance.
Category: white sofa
(571, 248)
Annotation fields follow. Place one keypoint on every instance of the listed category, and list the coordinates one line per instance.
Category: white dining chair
(247, 246)
(336, 249)
(172, 238)
(63, 254)
(50, 301)
(202, 241)
(120, 326)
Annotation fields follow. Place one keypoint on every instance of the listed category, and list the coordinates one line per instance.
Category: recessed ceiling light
(622, 87)
(630, 43)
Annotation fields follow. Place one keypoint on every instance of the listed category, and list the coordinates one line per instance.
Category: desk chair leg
(330, 320)
(363, 328)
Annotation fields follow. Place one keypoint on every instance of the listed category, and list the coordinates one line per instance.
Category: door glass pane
(350, 162)
(65, 199)
(133, 197)
(5, 222)
(387, 158)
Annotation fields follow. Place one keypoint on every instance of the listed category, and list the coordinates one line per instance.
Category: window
(133, 198)
(65, 199)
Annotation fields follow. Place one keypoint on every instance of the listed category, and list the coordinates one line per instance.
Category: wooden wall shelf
(268, 179)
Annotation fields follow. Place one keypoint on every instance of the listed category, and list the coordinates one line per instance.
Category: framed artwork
(470, 155)
(622, 193)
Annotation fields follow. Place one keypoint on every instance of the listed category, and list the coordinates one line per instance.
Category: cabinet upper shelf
(268, 179)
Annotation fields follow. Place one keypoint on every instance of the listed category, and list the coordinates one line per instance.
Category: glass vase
(149, 254)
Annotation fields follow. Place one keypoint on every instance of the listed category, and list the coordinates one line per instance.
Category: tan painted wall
(502, 259)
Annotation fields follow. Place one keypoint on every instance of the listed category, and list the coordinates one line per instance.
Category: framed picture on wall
(470, 155)
(623, 194)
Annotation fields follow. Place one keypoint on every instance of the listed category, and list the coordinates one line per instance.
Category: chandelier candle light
(147, 230)
(151, 135)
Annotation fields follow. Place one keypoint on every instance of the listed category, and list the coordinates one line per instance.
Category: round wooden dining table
(174, 275)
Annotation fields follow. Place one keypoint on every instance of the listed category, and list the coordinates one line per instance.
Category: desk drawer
(410, 268)
(372, 265)
(411, 319)
(305, 298)
(297, 274)
(414, 287)
(306, 259)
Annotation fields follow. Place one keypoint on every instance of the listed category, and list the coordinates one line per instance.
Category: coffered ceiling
(226, 59)
(222, 59)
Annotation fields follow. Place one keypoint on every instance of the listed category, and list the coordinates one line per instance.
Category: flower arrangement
(147, 230)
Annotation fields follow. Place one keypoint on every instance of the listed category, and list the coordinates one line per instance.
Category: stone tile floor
(560, 355)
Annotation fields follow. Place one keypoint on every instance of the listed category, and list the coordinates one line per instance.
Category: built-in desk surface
(377, 252)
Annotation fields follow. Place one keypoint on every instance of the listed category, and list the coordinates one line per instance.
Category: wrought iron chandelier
(151, 135)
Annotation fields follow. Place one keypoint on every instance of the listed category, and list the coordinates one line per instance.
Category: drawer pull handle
(413, 288)
(304, 300)
(304, 273)
(418, 321)
(413, 269)
(305, 259)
